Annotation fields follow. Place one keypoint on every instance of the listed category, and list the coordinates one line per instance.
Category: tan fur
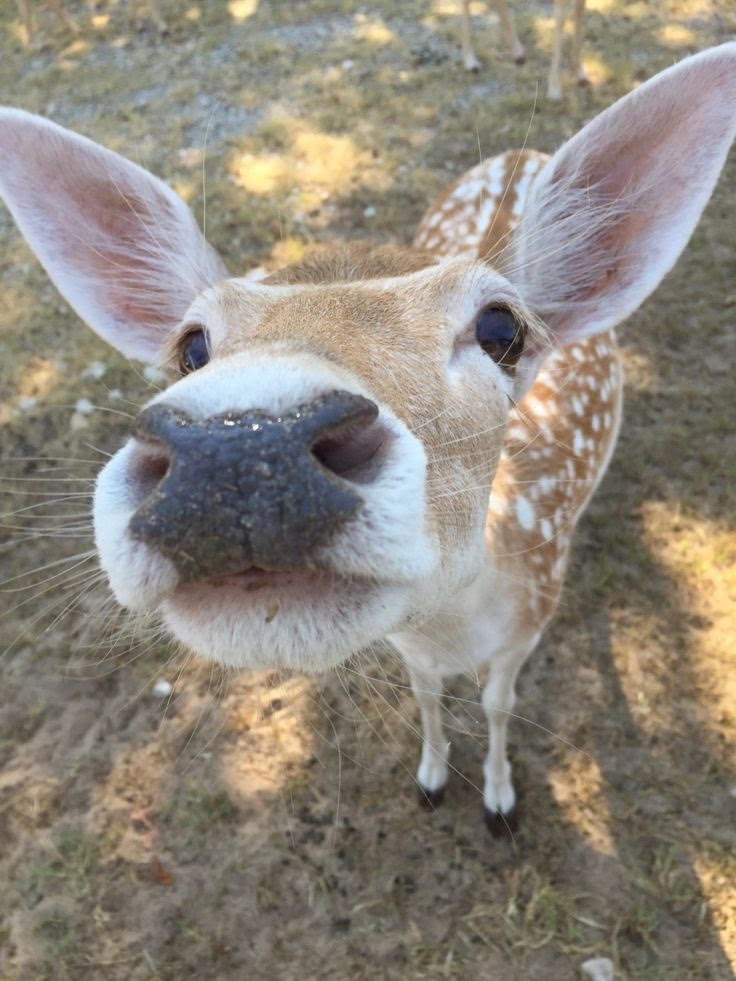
(353, 262)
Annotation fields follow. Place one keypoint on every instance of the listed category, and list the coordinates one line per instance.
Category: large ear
(118, 243)
(611, 211)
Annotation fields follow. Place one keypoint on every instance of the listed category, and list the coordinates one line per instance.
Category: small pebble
(84, 406)
(114, 394)
(78, 421)
(162, 689)
(96, 370)
(369, 212)
(732, 791)
(598, 968)
(153, 374)
(27, 403)
(347, 64)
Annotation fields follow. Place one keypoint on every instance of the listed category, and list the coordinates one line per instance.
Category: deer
(554, 81)
(376, 442)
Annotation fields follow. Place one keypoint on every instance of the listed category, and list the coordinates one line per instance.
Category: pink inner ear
(124, 250)
(118, 243)
(610, 213)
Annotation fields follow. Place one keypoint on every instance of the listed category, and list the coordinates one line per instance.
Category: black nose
(249, 489)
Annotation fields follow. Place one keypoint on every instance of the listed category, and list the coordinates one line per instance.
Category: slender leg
(498, 701)
(577, 64)
(25, 12)
(432, 771)
(512, 38)
(63, 16)
(155, 15)
(554, 85)
(469, 59)
(161, 25)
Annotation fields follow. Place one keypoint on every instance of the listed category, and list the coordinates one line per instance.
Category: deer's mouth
(255, 579)
(308, 620)
(254, 591)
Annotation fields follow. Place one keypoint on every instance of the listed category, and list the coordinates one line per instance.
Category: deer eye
(193, 351)
(500, 335)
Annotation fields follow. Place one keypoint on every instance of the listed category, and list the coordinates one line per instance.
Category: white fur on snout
(308, 634)
(139, 576)
(269, 382)
(388, 536)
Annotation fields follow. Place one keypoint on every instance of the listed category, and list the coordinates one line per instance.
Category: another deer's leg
(161, 25)
(63, 16)
(25, 12)
(509, 30)
(432, 771)
(138, 18)
(578, 43)
(554, 85)
(469, 59)
(498, 699)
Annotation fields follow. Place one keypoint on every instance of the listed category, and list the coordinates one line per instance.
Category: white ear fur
(613, 209)
(117, 242)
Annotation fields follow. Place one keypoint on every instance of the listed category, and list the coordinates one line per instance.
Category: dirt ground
(267, 827)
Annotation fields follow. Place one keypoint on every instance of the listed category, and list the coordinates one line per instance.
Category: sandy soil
(267, 827)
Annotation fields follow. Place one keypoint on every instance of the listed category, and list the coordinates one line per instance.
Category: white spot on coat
(525, 513)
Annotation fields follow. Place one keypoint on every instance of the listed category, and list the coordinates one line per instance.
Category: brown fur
(352, 262)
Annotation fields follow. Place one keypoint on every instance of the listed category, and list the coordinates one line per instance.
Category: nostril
(354, 451)
(149, 466)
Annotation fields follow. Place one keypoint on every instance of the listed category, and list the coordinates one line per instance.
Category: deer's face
(322, 475)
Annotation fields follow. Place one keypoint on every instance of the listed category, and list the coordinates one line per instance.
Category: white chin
(308, 625)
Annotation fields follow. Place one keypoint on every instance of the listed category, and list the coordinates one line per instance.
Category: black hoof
(502, 825)
(521, 60)
(430, 800)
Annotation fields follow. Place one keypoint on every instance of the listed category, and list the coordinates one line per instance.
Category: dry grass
(265, 827)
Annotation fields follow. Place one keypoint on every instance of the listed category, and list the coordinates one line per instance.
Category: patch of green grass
(69, 864)
(57, 933)
(194, 814)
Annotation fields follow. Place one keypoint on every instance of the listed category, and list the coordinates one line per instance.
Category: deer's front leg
(509, 30)
(577, 62)
(554, 82)
(433, 770)
(469, 59)
(25, 12)
(498, 700)
(63, 16)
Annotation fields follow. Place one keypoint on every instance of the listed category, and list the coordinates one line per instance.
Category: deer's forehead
(390, 313)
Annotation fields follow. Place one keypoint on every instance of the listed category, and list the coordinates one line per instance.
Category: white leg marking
(433, 769)
(498, 702)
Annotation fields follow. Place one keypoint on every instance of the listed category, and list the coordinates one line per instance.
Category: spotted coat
(561, 435)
